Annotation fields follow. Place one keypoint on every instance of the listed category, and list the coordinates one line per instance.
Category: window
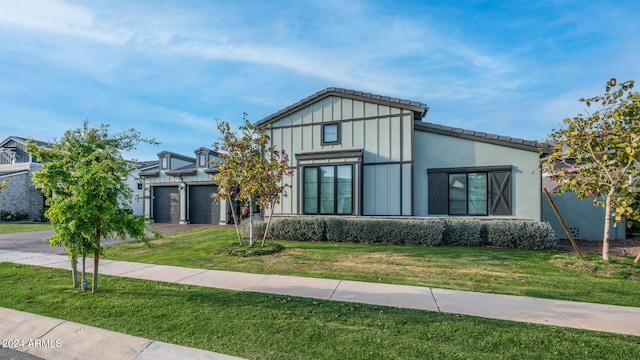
(328, 190)
(468, 194)
(164, 163)
(330, 134)
(202, 160)
(139, 186)
(470, 191)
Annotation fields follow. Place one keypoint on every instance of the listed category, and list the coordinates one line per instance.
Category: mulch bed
(628, 247)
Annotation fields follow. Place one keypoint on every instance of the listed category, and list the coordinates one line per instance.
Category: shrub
(298, 229)
(6, 215)
(520, 234)
(258, 229)
(464, 232)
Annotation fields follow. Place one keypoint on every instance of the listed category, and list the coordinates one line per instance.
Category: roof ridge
(415, 105)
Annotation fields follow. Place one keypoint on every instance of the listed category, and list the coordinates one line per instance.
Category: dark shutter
(500, 193)
(438, 194)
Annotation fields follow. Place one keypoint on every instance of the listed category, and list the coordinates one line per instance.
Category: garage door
(166, 204)
(202, 208)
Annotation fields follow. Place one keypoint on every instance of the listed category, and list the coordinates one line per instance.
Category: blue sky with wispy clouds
(170, 68)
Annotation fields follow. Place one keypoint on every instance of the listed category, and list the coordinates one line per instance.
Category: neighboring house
(179, 189)
(17, 167)
(136, 183)
(362, 154)
(584, 220)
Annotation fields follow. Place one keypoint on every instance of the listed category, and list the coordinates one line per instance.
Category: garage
(202, 208)
(166, 204)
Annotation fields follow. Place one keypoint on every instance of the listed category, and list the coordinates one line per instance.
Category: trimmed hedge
(520, 234)
(384, 231)
(465, 232)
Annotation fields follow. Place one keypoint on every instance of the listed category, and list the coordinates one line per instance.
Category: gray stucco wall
(584, 220)
(432, 151)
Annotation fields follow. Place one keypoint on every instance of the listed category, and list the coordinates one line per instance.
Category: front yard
(264, 326)
(546, 274)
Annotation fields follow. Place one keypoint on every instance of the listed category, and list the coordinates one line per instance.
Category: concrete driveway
(33, 241)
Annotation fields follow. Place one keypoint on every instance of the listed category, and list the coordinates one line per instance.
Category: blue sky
(170, 68)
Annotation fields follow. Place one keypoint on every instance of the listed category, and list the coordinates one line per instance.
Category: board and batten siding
(433, 151)
(383, 133)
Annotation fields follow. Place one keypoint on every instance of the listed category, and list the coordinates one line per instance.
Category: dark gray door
(166, 204)
(202, 208)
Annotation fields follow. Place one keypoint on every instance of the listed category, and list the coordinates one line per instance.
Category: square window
(331, 133)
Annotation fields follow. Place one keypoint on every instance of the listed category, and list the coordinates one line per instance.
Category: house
(362, 154)
(179, 189)
(136, 183)
(16, 168)
(584, 220)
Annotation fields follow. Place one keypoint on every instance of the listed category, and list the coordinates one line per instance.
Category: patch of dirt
(628, 247)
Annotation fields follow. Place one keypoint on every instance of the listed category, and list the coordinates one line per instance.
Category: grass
(545, 274)
(22, 227)
(264, 326)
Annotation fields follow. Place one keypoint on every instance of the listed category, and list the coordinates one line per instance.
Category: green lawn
(546, 274)
(263, 326)
(22, 227)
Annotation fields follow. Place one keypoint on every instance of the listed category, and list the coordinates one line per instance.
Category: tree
(251, 168)
(2, 186)
(598, 154)
(83, 176)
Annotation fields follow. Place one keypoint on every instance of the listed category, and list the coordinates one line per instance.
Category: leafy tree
(2, 186)
(598, 154)
(252, 168)
(83, 176)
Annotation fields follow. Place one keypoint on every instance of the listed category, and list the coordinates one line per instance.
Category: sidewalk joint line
(335, 289)
(53, 328)
(149, 343)
(190, 276)
(434, 299)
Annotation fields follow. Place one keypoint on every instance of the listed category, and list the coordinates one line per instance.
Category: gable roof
(23, 141)
(349, 94)
(529, 145)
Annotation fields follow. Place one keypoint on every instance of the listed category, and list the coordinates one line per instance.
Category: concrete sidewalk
(597, 317)
(50, 338)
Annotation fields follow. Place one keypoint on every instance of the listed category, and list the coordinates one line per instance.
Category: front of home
(368, 155)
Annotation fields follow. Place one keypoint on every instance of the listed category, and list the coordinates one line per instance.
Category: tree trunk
(74, 270)
(84, 274)
(607, 225)
(96, 260)
(637, 260)
(235, 222)
(251, 243)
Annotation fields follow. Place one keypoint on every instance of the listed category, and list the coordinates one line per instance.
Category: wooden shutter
(438, 194)
(500, 193)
